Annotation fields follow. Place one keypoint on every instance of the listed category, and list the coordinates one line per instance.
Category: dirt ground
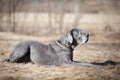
(101, 49)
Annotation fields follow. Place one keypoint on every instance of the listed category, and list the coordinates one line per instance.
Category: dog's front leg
(82, 64)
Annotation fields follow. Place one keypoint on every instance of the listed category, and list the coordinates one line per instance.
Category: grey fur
(56, 53)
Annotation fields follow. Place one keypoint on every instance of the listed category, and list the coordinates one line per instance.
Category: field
(46, 21)
(101, 48)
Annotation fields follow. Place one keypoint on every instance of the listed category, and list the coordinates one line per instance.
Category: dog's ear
(69, 37)
(75, 33)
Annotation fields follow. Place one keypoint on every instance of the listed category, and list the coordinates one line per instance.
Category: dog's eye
(79, 38)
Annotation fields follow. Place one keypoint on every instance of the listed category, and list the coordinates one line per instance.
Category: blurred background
(46, 20)
(41, 17)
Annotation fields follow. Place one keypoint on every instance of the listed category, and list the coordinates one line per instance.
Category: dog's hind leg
(19, 54)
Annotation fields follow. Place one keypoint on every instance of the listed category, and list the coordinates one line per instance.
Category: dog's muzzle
(87, 35)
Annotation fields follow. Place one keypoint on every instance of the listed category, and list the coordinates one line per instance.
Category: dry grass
(100, 48)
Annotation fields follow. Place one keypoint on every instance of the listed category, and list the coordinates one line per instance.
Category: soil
(101, 49)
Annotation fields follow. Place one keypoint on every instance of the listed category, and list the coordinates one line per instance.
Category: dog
(56, 53)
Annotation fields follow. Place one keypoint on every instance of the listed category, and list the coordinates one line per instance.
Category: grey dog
(56, 53)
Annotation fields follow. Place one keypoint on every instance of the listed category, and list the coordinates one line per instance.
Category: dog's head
(79, 36)
(74, 37)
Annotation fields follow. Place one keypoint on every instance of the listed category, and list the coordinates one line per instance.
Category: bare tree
(2, 6)
(56, 14)
(59, 13)
(76, 10)
(13, 6)
(49, 7)
(62, 14)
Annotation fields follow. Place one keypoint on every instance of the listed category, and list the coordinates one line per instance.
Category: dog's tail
(6, 60)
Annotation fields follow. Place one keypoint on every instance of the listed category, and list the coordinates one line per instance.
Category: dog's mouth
(85, 40)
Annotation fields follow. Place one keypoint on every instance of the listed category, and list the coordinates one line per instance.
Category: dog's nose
(87, 35)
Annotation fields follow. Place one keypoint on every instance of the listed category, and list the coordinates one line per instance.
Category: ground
(101, 48)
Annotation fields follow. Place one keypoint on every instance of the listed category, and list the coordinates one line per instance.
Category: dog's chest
(64, 56)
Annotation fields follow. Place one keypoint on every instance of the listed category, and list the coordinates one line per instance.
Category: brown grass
(100, 48)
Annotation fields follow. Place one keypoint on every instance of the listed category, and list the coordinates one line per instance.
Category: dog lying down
(56, 53)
